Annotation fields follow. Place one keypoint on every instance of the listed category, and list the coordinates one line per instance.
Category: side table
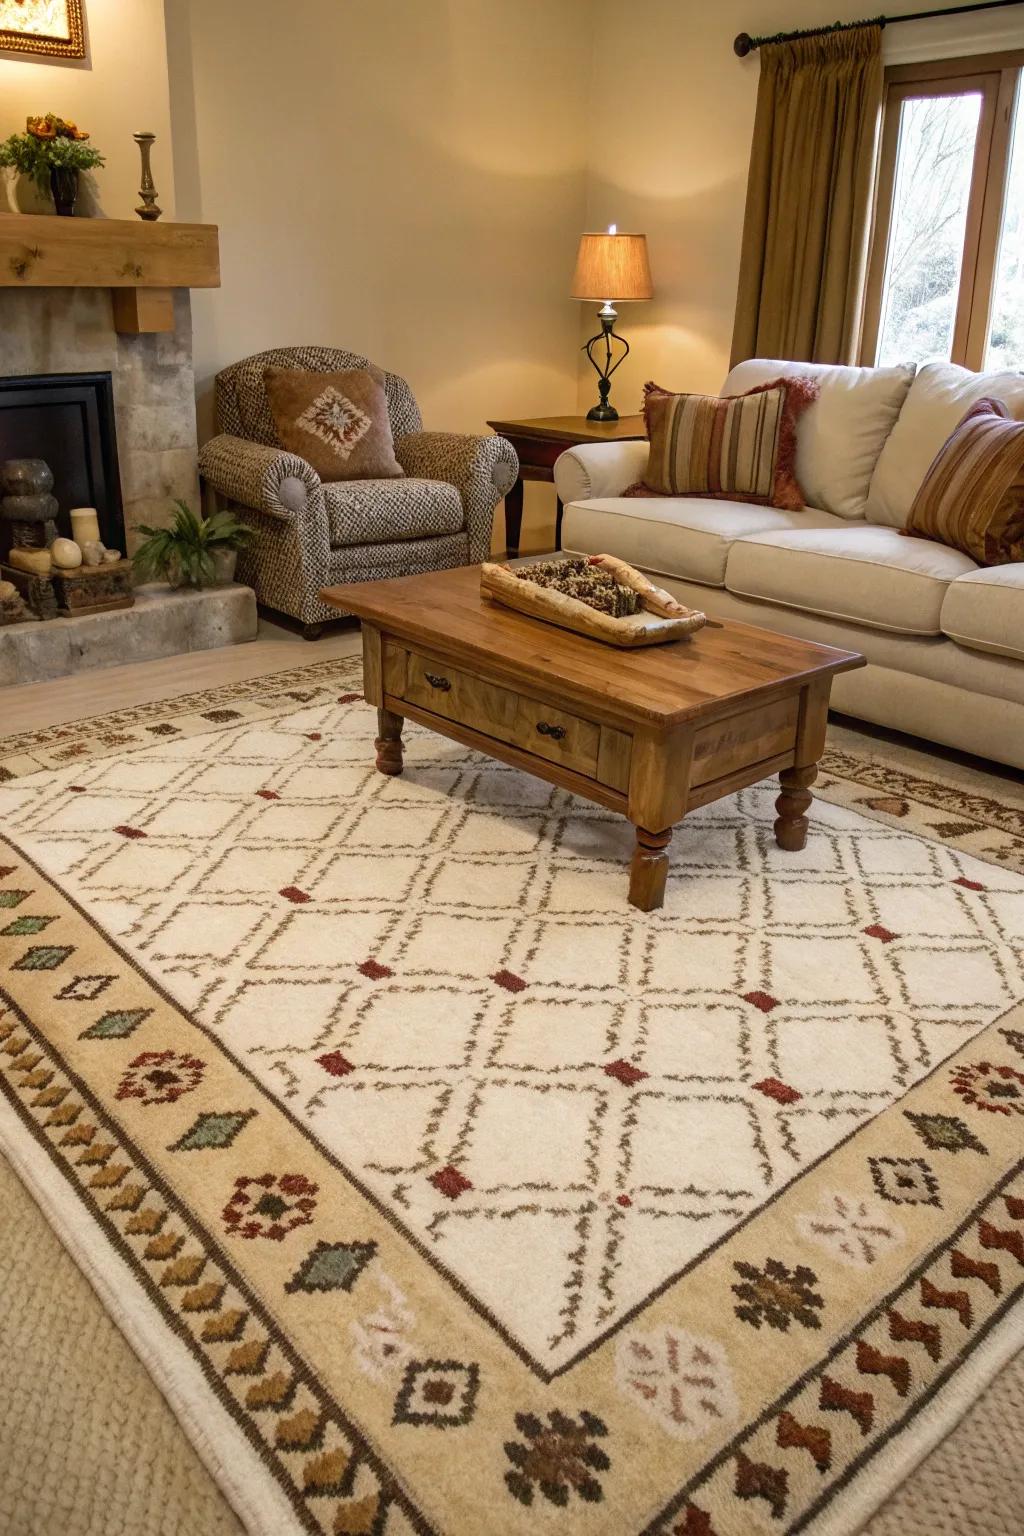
(538, 441)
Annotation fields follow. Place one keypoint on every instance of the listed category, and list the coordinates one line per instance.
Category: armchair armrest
(482, 469)
(592, 470)
(266, 480)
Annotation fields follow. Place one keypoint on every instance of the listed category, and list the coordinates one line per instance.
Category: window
(946, 277)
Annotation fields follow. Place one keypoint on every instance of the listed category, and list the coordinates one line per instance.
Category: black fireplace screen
(68, 420)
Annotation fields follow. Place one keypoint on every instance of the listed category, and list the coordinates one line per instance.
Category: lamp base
(606, 335)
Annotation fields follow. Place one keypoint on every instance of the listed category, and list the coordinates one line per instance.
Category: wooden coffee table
(649, 733)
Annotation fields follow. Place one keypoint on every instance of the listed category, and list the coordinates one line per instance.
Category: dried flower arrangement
(600, 596)
(588, 583)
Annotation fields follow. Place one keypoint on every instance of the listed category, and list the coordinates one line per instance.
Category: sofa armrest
(481, 469)
(267, 480)
(591, 470)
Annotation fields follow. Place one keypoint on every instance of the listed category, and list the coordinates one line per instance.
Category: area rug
(441, 1191)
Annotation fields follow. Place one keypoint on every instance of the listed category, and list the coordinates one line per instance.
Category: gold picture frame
(44, 28)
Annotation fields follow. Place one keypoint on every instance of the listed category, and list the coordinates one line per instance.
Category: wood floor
(35, 705)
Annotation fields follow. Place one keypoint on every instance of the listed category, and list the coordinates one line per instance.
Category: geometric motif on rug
(563, 1101)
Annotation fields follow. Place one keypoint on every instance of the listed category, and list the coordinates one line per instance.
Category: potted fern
(53, 152)
(192, 551)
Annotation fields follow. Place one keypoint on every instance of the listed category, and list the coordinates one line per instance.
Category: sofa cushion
(687, 537)
(938, 400)
(872, 576)
(841, 434)
(387, 511)
(984, 610)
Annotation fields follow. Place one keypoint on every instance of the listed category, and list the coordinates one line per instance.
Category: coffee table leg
(792, 806)
(649, 869)
(389, 742)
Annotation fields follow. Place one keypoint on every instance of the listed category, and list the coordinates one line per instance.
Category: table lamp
(610, 267)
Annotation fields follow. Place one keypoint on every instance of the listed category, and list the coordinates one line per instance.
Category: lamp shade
(612, 267)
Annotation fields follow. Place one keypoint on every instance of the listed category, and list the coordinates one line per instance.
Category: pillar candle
(85, 526)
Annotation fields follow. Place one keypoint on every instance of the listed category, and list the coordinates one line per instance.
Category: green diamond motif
(43, 957)
(25, 925)
(212, 1130)
(945, 1133)
(114, 1026)
(12, 898)
(332, 1267)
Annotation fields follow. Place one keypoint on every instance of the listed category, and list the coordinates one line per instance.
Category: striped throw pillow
(972, 497)
(742, 448)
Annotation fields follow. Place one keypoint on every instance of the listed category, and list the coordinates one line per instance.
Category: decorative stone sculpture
(26, 504)
(93, 552)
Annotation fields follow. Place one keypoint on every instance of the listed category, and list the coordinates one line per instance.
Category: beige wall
(399, 177)
(672, 113)
(118, 90)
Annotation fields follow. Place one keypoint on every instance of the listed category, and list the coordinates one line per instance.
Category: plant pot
(64, 189)
(224, 562)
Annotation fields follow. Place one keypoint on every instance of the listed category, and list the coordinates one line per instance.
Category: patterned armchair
(313, 534)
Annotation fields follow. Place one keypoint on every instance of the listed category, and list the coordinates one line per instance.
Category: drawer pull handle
(436, 681)
(556, 732)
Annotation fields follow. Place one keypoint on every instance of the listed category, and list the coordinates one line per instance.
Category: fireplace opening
(68, 420)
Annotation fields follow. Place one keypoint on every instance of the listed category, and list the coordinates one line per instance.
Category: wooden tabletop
(572, 428)
(702, 674)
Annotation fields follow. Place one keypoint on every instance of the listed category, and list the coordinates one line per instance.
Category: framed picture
(45, 28)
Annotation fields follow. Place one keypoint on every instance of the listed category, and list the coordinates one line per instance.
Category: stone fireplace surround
(71, 330)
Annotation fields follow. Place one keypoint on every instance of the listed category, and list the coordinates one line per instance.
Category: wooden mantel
(141, 263)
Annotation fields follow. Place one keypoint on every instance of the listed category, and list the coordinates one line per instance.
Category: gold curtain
(812, 169)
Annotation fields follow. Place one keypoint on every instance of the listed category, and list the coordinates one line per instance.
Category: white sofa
(944, 638)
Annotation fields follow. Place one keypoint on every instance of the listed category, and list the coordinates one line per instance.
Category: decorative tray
(600, 596)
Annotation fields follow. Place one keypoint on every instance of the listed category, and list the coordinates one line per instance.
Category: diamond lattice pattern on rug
(565, 1101)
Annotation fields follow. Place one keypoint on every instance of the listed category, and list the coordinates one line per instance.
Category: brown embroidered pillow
(742, 448)
(338, 422)
(972, 497)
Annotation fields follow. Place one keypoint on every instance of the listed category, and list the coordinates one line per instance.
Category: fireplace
(68, 420)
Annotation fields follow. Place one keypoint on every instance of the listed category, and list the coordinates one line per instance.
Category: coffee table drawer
(543, 730)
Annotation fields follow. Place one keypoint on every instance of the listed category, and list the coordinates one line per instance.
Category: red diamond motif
(762, 1000)
(268, 794)
(314, 736)
(509, 981)
(624, 1200)
(780, 1092)
(876, 931)
(336, 1064)
(625, 1073)
(348, 698)
(374, 971)
(294, 894)
(77, 789)
(130, 832)
(969, 885)
(451, 1182)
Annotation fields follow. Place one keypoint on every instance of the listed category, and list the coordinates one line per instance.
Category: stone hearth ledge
(163, 622)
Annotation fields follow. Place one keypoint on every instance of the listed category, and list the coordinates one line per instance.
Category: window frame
(997, 77)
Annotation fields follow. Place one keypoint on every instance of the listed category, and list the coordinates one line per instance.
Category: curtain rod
(744, 43)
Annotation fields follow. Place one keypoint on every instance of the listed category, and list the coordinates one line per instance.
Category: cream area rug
(442, 1191)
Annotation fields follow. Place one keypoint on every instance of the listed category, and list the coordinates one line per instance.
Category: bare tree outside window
(946, 276)
(934, 162)
(1006, 329)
